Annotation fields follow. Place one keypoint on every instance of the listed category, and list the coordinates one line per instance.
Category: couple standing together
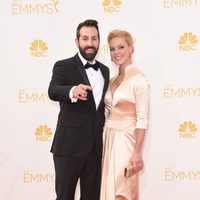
(102, 121)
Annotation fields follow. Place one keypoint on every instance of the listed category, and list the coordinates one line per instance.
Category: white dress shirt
(96, 81)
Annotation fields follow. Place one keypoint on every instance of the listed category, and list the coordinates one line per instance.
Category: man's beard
(88, 56)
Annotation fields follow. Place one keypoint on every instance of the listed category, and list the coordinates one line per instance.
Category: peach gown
(126, 110)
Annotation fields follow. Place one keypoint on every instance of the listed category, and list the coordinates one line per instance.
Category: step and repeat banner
(37, 33)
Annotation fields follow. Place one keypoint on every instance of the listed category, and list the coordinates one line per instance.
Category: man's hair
(87, 23)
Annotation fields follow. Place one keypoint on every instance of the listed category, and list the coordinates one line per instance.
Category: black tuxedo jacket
(80, 125)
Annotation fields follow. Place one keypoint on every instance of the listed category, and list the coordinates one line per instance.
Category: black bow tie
(94, 66)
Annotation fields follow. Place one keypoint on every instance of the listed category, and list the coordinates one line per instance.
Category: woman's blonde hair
(121, 33)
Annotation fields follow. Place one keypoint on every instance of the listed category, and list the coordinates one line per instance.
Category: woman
(127, 105)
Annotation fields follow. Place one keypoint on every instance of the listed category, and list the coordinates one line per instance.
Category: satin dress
(126, 109)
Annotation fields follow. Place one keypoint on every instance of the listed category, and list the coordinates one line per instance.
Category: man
(77, 143)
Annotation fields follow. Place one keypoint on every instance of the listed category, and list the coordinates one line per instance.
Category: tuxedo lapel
(106, 78)
(81, 69)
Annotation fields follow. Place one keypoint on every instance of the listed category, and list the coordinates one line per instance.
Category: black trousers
(67, 172)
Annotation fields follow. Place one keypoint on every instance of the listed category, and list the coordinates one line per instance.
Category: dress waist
(123, 124)
(117, 115)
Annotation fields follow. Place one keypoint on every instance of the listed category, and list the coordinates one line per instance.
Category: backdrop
(37, 33)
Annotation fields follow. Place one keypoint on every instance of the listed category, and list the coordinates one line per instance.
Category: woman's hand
(137, 162)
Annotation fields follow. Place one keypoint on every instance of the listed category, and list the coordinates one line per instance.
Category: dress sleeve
(142, 101)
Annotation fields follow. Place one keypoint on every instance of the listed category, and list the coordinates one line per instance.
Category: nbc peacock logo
(38, 48)
(188, 42)
(187, 130)
(111, 6)
(43, 133)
